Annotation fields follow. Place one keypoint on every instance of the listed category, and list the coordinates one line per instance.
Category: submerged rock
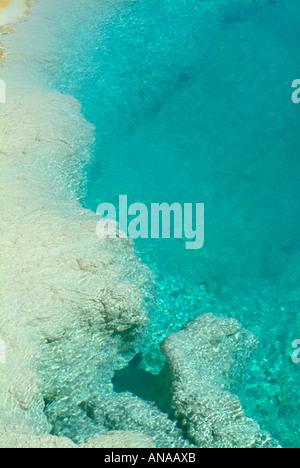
(203, 361)
(114, 439)
(71, 303)
(119, 439)
(124, 411)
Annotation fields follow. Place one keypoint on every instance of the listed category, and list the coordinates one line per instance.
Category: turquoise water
(192, 103)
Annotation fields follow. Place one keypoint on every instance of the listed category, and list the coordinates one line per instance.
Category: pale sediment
(61, 287)
(11, 11)
(59, 283)
(114, 439)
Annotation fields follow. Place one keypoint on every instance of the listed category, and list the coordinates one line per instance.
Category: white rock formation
(114, 439)
(203, 362)
(59, 282)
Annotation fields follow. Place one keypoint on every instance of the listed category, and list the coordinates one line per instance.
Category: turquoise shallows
(192, 103)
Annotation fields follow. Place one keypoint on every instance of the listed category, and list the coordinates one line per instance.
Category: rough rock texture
(125, 411)
(71, 304)
(119, 439)
(114, 439)
(203, 360)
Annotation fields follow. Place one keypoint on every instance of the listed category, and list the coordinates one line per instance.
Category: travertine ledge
(203, 360)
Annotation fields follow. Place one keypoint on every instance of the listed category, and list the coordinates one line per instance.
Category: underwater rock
(203, 361)
(119, 439)
(16, 439)
(114, 439)
(71, 303)
(124, 411)
(68, 307)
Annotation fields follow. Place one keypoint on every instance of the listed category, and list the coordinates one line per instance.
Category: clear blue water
(192, 103)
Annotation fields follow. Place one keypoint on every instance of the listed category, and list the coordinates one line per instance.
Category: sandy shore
(11, 10)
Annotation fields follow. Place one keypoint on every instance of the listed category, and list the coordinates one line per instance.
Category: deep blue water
(192, 103)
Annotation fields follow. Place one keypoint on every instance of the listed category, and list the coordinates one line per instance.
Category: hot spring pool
(192, 103)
